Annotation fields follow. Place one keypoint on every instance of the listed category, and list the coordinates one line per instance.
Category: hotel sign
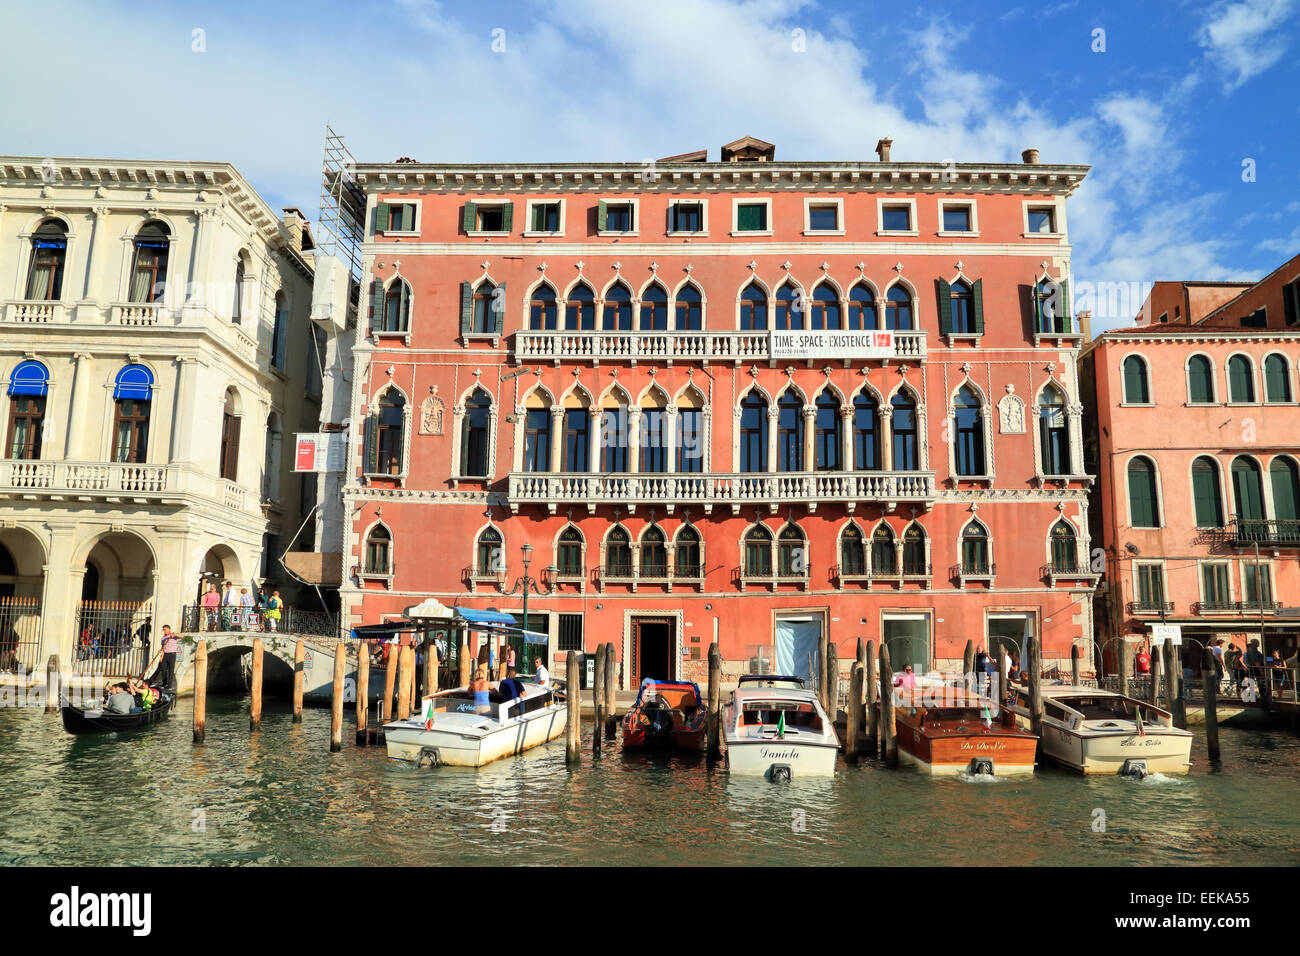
(831, 343)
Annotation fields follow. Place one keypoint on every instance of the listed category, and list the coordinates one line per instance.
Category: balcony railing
(972, 571)
(737, 490)
(1246, 532)
(1150, 607)
(32, 311)
(172, 483)
(911, 571)
(1235, 607)
(198, 620)
(704, 345)
(1055, 572)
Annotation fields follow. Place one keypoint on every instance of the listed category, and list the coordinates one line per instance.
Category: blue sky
(1181, 96)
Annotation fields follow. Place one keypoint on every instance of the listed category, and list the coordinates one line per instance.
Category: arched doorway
(22, 585)
(114, 625)
(220, 567)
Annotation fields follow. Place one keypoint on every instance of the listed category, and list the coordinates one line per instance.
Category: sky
(1187, 112)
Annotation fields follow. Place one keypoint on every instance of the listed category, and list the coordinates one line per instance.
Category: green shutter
(376, 305)
(748, 218)
(602, 216)
(372, 444)
(1198, 379)
(1286, 491)
(977, 294)
(466, 309)
(1135, 381)
(1065, 321)
(1142, 494)
(1038, 308)
(499, 309)
(408, 217)
(1247, 492)
(381, 217)
(1205, 496)
(1277, 388)
(470, 218)
(1239, 385)
(508, 217)
(945, 307)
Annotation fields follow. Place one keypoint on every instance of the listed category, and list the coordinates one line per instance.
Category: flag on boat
(428, 716)
(988, 720)
(780, 725)
(1141, 730)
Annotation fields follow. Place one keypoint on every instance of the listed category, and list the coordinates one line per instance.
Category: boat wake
(1157, 779)
(968, 777)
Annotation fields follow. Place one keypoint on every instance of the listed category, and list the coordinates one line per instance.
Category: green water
(279, 797)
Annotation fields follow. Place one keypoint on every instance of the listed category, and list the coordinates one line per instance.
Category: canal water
(279, 797)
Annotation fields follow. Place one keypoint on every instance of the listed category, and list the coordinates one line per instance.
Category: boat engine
(980, 765)
(1133, 768)
(780, 773)
(427, 757)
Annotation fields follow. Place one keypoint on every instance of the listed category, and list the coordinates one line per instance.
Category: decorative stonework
(432, 413)
(1011, 413)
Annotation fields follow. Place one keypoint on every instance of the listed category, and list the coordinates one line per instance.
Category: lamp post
(526, 582)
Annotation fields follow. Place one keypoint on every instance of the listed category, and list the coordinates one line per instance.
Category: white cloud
(1243, 38)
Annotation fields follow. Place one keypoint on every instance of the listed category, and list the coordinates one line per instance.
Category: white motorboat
(447, 729)
(1099, 731)
(775, 728)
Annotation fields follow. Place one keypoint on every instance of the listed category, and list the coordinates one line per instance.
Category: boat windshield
(769, 712)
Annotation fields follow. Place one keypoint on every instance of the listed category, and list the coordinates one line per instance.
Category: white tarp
(329, 292)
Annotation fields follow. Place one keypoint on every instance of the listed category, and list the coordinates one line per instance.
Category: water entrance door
(797, 647)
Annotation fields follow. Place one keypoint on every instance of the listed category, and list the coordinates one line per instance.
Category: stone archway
(113, 630)
(22, 587)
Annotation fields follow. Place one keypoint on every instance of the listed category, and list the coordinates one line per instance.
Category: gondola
(99, 721)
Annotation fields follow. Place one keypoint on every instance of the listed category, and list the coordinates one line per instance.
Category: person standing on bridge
(211, 601)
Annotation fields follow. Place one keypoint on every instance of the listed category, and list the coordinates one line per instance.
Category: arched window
(825, 308)
(271, 458)
(789, 433)
(379, 551)
(568, 558)
(914, 563)
(484, 318)
(237, 305)
(906, 452)
(753, 308)
(1136, 389)
(827, 444)
(789, 313)
(654, 554)
(792, 552)
(853, 555)
(580, 309)
(690, 432)
(686, 555)
(1277, 379)
(1049, 307)
(1143, 497)
(614, 435)
(1285, 480)
(577, 435)
(969, 430)
(1241, 379)
(690, 312)
(1206, 499)
(862, 308)
(537, 434)
(866, 446)
(149, 263)
(753, 433)
(278, 332)
(975, 549)
(490, 556)
(29, 384)
(653, 433)
(898, 309)
(884, 557)
(618, 553)
(963, 309)
(397, 306)
(654, 309)
(541, 308)
(390, 434)
(1053, 433)
(617, 316)
(1247, 489)
(1200, 380)
(476, 435)
(1064, 552)
(49, 254)
(132, 391)
(758, 552)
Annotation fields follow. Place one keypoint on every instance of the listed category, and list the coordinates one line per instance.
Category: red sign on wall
(304, 458)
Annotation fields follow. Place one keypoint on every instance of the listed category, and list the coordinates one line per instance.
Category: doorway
(798, 647)
(1009, 631)
(653, 645)
(908, 638)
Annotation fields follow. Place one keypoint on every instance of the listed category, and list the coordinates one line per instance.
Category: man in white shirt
(542, 677)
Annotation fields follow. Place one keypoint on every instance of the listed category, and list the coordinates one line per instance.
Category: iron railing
(20, 634)
(115, 638)
(1236, 607)
(1250, 531)
(1149, 607)
(230, 618)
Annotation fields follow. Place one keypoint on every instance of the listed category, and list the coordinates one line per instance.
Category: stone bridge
(229, 652)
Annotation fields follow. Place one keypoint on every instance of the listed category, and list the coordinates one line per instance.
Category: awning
(133, 381)
(381, 631)
(315, 567)
(472, 616)
(531, 637)
(29, 378)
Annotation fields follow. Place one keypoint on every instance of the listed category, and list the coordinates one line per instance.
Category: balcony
(978, 571)
(1056, 573)
(172, 484)
(32, 312)
(1062, 331)
(702, 346)
(1236, 607)
(1149, 607)
(1248, 532)
(889, 488)
(912, 571)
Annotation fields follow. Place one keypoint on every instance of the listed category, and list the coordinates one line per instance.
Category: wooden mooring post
(200, 691)
(405, 666)
(598, 699)
(1177, 695)
(611, 688)
(968, 661)
(822, 671)
(1210, 688)
(888, 746)
(465, 663)
(336, 698)
(255, 701)
(1155, 677)
(1033, 664)
(53, 691)
(715, 697)
(430, 685)
(853, 712)
(1074, 664)
(299, 662)
(832, 694)
(363, 691)
(390, 683)
(573, 730)
(1122, 657)
(873, 696)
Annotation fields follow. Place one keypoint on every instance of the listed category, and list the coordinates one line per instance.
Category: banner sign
(831, 343)
(319, 451)
(1171, 632)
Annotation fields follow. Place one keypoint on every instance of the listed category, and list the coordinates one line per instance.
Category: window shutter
(232, 450)
(470, 217)
(406, 437)
(376, 305)
(499, 306)
(1203, 497)
(945, 307)
(381, 217)
(1065, 321)
(466, 309)
(1038, 308)
(977, 295)
(408, 217)
(404, 308)
(507, 217)
(602, 214)
(372, 444)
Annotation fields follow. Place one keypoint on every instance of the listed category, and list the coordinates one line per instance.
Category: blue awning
(29, 378)
(133, 381)
(472, 616)
(534, 637)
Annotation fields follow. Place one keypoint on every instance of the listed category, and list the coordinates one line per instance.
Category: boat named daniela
(775, 728)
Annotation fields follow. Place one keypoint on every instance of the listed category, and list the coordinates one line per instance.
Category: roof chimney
(291, 226)
(882, 149)
(1030, 156)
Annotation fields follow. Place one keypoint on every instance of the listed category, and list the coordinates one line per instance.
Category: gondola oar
(152, 663)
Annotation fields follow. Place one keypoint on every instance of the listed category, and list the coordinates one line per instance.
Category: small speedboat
(446, 727)
(666, 714)
(777, 729)
(950, 731)
(96, 720)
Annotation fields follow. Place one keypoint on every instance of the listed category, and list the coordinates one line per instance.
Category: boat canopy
(381, 631)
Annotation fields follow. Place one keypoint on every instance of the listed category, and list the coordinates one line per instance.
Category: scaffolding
(342, 205)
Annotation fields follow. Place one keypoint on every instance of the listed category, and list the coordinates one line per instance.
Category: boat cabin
(461, 701)
(764, 715)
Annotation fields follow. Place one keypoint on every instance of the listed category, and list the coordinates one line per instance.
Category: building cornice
(1197, 334)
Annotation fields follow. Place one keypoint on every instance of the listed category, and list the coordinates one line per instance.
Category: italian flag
(428, 716)
(780, 725)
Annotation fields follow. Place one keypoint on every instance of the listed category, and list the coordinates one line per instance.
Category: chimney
(1030, 156)
(1085, 325)
(882, 149)
(291, 228)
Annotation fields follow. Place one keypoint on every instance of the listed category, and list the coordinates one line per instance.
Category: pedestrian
(479, 687)
(541, 675)
(229, 602)
(1142, 662)
(211, 600)
(144, 634)
(906, 679)
(165, 675)
(274, 608)
(1232, 659)
(510, 657)
(981, 670)
(1254, 661)
(247, 609)
(511, 689)
(261, 609)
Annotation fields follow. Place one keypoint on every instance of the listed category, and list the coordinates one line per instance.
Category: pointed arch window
(49, 255)
(577, 439)
(1137, 390)
(862, 308)
(149, 263)
(975, 549)
(541, 309)
(1064, 548)
(753, 309)
(485, 306)
(397, 307)
(904, 427)
(618, 553)
(654, 554)
(686, 554)
(853, 555)
(654, 309)
(617, 316)
(758, 552)
(788, 306)
(1247, 489)
(1200, 380)
(580, 309)
(379, 551)
(490, 555)
(690, 309)
(753, 433)
(825, 308)
(866, 445)
(1053, 432)
(476, 433)
(969, 429)
(1277, 379)
(789, 433)
(1241, 379)
(568, 558)
(1143, 497)
(537, 439)
(898, 309)
(614, 437)
(792, 552)
(914, 563)
(1206, 499)
(390, 432)
(827, 443)
(884, 557)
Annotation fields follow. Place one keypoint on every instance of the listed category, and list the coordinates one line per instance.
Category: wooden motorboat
(666, 714)
(96, 720)
(777, 729)
(950, 731)
(1099, 731)
(447, 729)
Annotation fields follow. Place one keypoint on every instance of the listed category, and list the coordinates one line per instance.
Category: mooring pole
(873, 697)
(336, 699)
(1210, 688)
(715, 697)
(1074, 664)
(611, 687)
(363, 691)
(299, 662)
(200, 690)
(572, 731)
(390, 681)
(888, 745)
(968, 664)
(404, 668)
(598, 699)
(54, 693)
(1034, 666)
(255, 702)
(832, 694)
(853, 712)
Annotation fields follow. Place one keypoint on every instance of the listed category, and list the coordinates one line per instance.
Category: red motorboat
(666, 714)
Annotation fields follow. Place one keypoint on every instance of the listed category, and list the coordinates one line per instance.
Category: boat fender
(427, 757)
(979, 765)
(780, 773)
(1133, 768)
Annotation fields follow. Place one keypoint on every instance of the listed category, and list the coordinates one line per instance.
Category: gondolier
(166, 676)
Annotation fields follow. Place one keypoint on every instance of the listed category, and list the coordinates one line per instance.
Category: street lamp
(526, 582)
